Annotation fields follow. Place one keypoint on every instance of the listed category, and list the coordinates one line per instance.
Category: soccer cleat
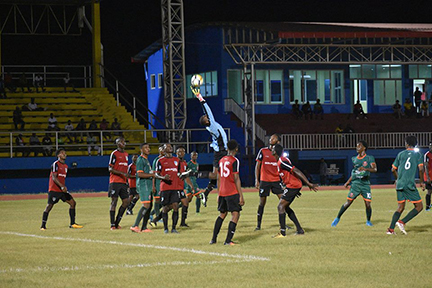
(184, 225)
(153, 224)
(401, 227)
(335, 222)
(279, 235)
(76, 226)
(368, 223)
(258, 228)
(118, 227)
(174, 231)
(146, 231)
(212, 242)
(230, 243)
(113, 228)
(300, 232)
(135, 229)
(428, 208)
(390, 231)
(166, 231)
(43, 228)
(203, 199)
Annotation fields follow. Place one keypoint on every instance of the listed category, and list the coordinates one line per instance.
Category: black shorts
(217, 156)
(265, 187)
(169, 197)
(54, 197)
(182, 194)
(290, 194)
(229, 203)
(132, 191)
(428, 186)
(118, 189)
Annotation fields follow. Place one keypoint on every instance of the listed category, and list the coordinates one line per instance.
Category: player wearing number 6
(404, 169)
(363, 165)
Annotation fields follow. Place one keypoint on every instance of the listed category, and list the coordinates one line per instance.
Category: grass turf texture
(350, 255)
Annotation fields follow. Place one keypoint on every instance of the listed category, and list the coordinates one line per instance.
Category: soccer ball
(196, 80)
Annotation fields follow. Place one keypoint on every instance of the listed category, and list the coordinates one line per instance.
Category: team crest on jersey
(365, 163)
(351, 194)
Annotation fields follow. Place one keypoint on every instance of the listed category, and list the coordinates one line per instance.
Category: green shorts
(360, 189)
(145, 193)
(408, 195)
(156, 195)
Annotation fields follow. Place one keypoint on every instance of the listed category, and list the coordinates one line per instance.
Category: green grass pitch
(350, 255)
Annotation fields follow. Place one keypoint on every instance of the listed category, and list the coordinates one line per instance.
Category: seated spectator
(424, 108)
(69, 127)
(9, 83)
(91, 144)
(318, 109)
(307, 110)
(2, 88)
(32, 106)
(39, 83)
(24, 83)
(397, 110)
(47, 145)
(358, 110)
(81, 127)
(67, 83)
(93, 127)
(339, 129)
(116, 126)
(104, 126)
(409, 108)
(34, 141)
(20, 146)
(296, 109)
(18, 118)
(52, 123)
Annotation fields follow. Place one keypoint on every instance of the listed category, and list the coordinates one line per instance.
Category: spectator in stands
(339, 129)
(47, 145)
(92, 144)
(67, 83)
(397, 110)
(116, 126)
(307, 110)
(34, 141)
(318, 109)
(104, 126)
(39, 83)
(93, 127)
(81, 127)
(2, 88)
(9, 83)
(358, 111)
(409, 109)
(417, 98)
(52, 123)
(69, 127)
(20, 146)
(296, 109)
(32, 106)
(424, 109)
(18, 118)
(323, 172)
(24, 83)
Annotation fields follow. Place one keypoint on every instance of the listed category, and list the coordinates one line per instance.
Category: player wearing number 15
(230, 194)
(404, 169)
(363, 165)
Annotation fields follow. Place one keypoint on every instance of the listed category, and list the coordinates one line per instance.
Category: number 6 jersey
(406, 164)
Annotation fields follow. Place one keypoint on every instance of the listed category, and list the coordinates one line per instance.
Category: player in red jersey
(167, 169)
(118, 168)
(133, 195)
(292, 178)
(428, 175)
(57, 190)
(267, 176)
(230, 197)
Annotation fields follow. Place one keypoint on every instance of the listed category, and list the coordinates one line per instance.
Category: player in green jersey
(363, 165)
(156, 191)
(404, 169)
(144, 184)
(194, 166)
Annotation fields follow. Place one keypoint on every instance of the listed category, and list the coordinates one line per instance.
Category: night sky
(129, 26)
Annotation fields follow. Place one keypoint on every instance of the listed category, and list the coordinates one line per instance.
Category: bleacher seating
(89, 103)
(375, 123)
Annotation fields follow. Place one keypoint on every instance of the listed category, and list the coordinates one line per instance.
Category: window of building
(160, 80)
(420, 71)
(370, 71)
(153, 81)
(235, 85)
(208, 88)
(386, 92)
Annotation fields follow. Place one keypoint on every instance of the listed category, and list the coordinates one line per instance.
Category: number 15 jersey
(228, 166)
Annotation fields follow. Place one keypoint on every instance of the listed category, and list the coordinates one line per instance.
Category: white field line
(123, 266)
(187, 250)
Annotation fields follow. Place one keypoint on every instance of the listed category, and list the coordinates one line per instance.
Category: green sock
(140, 215)
(410, 215)
(341, 211)
(198, 204)
(395, 218)
(368, 214)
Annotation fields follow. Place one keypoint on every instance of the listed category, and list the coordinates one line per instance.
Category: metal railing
(104, 139)
(80, 75)
(350, 140)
